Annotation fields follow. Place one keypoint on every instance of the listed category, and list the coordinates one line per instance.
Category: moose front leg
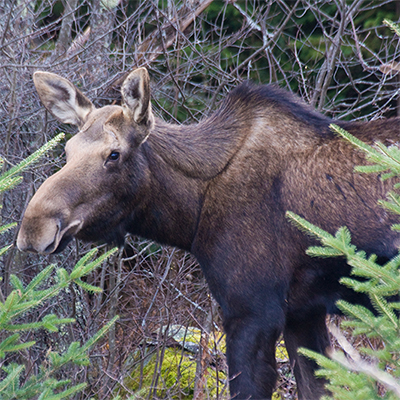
(251, 344)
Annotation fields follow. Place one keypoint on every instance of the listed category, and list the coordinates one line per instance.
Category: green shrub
(17, 315)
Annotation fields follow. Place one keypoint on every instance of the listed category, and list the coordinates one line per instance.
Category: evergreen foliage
(365, 373)
(11, 177)
(16, 383)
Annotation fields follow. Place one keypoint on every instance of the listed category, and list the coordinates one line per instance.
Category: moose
(220, 189)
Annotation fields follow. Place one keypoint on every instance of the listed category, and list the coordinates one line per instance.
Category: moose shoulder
(220, 189)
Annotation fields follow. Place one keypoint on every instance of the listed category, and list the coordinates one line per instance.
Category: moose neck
(202, 150)
(182, 160)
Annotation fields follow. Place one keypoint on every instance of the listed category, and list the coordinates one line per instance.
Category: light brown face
(91, 196)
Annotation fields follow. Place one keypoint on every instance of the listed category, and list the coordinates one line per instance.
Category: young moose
(220, 189)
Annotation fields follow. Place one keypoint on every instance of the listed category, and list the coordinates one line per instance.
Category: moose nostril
(53, 244)
(50, 248)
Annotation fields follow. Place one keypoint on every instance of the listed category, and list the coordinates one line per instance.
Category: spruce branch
(11, 344)
(5, 228)
(394, 27)
(355, 363)
(13, 374)
(33, 158)
(337, 245)
(9, 183)
(21, 299)
(20, 302)
(4, 249)
(64, 394)
(383, 158)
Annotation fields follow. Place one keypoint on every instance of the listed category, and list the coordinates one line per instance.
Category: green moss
(174, 380)
(172, 373)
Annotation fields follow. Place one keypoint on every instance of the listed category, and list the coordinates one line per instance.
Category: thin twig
(357, 364)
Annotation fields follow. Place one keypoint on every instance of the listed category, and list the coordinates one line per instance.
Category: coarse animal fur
(220, 189)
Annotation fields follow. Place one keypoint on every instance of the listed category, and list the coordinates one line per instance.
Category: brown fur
(220, 189)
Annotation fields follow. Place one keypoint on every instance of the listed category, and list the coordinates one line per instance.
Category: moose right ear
(136, 95)
(60, 97)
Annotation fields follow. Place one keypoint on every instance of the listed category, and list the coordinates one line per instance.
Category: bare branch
(357, 364)
(153, 46)
(64, 36)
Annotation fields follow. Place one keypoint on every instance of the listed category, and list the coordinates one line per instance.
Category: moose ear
(62, 98)
(136, 96)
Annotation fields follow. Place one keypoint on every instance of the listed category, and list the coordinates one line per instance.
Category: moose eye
(114, 156)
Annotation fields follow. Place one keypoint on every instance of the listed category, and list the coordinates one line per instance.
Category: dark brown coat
(220, 189)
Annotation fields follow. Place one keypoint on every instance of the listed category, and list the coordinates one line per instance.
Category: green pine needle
(317, 251)
(4, 249)
(307, 227)
(100, 333)
(13, 375)
(5, 228)
(394, 27)
(382, 306)
(66, 393)
(88, 288)
(9, 183)
(33, 158)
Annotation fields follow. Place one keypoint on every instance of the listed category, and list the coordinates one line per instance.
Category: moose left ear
(136, 96)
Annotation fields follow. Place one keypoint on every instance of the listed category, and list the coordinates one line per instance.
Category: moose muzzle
(49, 223)
(45, 235)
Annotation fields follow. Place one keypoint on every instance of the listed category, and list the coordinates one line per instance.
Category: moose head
(89, 197)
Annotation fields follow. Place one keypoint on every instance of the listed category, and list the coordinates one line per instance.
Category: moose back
(220, 189)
